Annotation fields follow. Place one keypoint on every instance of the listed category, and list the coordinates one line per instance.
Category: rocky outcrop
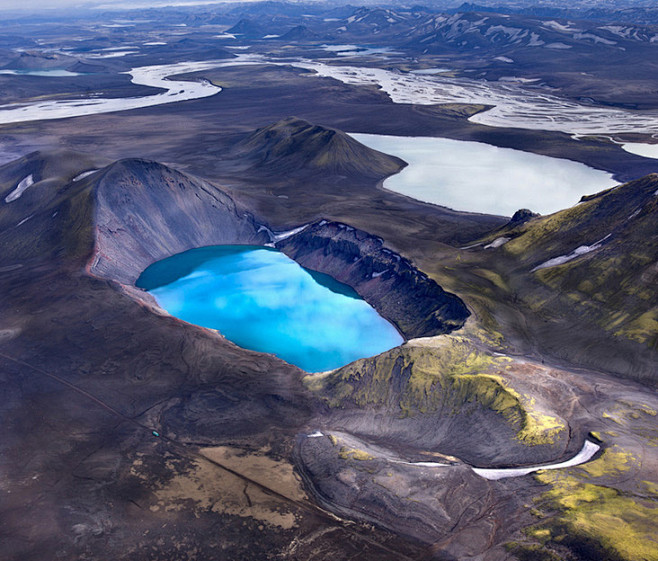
(416, 304)
(521, 216)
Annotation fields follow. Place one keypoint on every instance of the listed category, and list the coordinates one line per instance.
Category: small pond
(262, 300)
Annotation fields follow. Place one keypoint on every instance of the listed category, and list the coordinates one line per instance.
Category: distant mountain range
(469, 29)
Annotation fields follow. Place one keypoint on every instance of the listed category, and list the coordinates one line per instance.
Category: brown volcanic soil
(91, 368)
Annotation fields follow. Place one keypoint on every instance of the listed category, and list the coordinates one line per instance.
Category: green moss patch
(596, 521)
(612, 462)
(347, 453)
(448, 379)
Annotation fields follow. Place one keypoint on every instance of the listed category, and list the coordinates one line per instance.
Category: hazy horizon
(23, 5)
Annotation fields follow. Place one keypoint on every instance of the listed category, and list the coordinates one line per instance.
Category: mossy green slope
(584, 512)
(599, 308)
(614, 285)
(452, 379)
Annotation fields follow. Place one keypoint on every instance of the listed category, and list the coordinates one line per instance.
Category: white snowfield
(84, 174)
(498, 242)
(587, 452)
(20, 189)
(278, 236)
(421, 464)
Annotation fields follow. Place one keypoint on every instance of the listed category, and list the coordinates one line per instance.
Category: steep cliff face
(401, 293)
(146, 211)
(120, 218)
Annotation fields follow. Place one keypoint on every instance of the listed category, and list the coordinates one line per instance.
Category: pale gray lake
(477, 177)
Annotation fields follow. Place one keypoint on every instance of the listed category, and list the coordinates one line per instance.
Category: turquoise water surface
(262, 300)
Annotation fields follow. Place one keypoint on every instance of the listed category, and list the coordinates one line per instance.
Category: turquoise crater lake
(262, 300)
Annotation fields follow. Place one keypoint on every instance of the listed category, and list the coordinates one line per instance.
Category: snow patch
(266, 230)
(316, 434)
(420, 464)
(497, 243)
(517, 79)
(20, 189)
(557, 26)
(582, 250)
(284, 235)
(587, 452)
(535, 41)
(84, 174)
(24, 220)
(114, 54)
(634, 214)
(595, 38)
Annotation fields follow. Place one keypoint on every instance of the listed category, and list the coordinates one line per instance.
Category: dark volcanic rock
(293, 144)
(409, 298)
(521, 216)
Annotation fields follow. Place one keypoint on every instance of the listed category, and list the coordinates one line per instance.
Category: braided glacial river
(514, 105)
